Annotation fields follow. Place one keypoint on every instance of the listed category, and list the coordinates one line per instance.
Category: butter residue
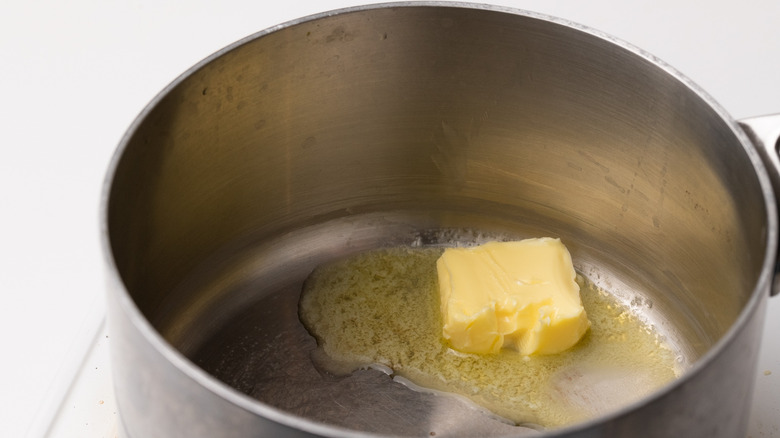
(520, 295)
(383, 307)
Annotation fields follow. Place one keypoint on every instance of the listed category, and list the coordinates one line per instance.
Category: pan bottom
(240, 323)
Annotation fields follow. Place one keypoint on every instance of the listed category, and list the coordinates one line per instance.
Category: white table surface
(74, 74)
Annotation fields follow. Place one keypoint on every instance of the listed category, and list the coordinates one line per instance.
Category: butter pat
(519, 295)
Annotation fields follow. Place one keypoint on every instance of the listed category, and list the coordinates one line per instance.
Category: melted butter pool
(381, 309)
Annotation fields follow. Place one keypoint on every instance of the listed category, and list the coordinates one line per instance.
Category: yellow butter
(519, 295)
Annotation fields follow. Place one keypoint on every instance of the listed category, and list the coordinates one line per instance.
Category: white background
(74, 74)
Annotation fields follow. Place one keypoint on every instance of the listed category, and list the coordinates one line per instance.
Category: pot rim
(254, 406)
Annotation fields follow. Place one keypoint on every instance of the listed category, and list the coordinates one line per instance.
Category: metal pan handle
(764, 132)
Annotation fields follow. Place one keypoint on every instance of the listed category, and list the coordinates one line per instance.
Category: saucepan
(426, 124)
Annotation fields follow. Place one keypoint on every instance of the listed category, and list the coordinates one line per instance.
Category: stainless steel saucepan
(401, 124)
